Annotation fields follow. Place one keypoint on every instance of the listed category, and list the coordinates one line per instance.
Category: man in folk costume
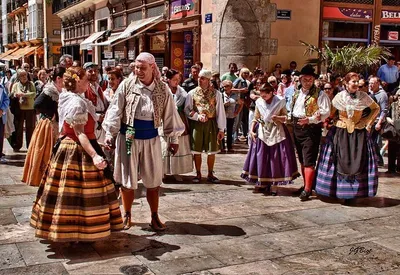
(310, 107)
(141, 105)
(205, 108)
(95, 94)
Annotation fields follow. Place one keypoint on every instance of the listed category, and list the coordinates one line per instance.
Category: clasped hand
(173, 148)
(203, 118)
(99, 162)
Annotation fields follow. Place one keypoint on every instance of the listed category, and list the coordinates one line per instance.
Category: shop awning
(4, 56)
(111, 39)
(89, 41)
(134, 28)
(19, 53)
(136, 25)
(30, 50)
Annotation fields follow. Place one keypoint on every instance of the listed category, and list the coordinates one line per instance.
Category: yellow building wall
(304, 25)
(208, 40)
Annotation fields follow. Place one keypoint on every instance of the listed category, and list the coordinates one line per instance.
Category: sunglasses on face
(328, 88)
(270, 82)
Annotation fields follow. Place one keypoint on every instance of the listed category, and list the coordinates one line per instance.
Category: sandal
(197, 178)
(127, 220)
(211, 178)
(156, 224)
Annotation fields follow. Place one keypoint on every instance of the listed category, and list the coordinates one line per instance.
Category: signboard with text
(347, 13)
(157, 42)
(208, 18)
(390, 16)
(181, 8)
(108, 54)
(393, 35)
(360, 14)
(56, 49)
(284, 14)
(187, 53)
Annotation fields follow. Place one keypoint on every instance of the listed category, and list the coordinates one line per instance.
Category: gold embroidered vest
(310, 102)
(205, 102)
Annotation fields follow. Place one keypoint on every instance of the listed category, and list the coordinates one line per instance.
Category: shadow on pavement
(187, 228)
(376, 202)
(155, 249)
(120, 244)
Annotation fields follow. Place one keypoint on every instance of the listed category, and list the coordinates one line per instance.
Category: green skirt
(204, 137)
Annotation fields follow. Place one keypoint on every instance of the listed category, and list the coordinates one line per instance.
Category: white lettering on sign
(181, 8)
(390, 14)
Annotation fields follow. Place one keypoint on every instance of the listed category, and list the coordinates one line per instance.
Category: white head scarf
(149, 58)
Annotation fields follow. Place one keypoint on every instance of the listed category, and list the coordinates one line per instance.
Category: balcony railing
(10, 38)
(62, 4)
(22, 36)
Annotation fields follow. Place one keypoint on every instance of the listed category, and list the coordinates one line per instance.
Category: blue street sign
(208, 18)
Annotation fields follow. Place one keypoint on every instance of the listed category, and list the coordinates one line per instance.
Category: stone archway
(242, 33)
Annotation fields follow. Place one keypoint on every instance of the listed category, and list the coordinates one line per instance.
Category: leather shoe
(304, 195)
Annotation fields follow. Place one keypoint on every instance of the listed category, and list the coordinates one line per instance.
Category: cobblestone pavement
(215, 229)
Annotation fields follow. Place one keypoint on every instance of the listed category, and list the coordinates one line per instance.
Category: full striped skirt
(75, 201)
(330, 183)
(39, 151)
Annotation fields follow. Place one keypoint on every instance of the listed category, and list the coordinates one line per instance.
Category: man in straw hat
(141, 105)
(309, 108)
(205, 109)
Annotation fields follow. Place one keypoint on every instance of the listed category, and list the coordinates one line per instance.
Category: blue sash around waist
(144, 129)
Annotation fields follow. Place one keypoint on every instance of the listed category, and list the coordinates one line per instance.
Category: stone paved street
(215, 229)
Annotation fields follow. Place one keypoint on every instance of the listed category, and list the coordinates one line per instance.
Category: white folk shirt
(323, 102)
(145, 108)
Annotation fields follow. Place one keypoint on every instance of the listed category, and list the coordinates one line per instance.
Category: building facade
(114, 32)
(257, 33)
(362, 22)
(25, 32)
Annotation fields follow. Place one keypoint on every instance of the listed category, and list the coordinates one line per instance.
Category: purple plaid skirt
(271, 165)
(330, 183)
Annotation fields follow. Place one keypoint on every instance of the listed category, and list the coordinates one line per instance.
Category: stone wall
(240, 33)
(247, 32)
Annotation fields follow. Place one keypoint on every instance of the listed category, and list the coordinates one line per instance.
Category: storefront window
(339, 34)
(102, 24)
(155, 11)
(134, 16)
(347, 30)
(119, 22)
(390, 34)
(390, 2)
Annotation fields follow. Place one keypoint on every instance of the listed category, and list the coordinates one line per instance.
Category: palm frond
(348, 58)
